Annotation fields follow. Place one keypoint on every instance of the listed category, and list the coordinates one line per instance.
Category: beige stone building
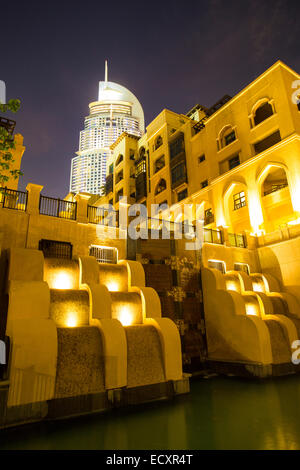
(233, 304)
(238, 161)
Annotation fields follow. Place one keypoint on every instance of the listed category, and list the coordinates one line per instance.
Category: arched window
(226, 136)
(142, 152)
(119, 159)
(162, 185)
(158, 142)
(264, 111)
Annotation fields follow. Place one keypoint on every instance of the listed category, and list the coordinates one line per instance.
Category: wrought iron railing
(102, 216)
(275, 187)
(237, 240)
(213, 236)
(104, 254)
(11, 199)
(56, 249)
(58, 208)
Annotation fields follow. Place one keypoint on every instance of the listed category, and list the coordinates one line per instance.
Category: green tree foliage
(6, 145)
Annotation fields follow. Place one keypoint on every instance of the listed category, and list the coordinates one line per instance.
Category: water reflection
(220, 413)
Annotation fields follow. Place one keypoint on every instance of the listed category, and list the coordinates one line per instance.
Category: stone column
(82, 200)
(251, 241)
(33, 201)
(224, 232)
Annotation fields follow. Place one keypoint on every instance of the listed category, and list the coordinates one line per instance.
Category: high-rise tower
(116, 111)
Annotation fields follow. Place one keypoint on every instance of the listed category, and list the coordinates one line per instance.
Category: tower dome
(117, 110)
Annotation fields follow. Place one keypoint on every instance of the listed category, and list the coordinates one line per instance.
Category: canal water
(220, 413)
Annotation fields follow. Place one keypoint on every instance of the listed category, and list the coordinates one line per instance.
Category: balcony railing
(274, 188)
(213, 236)
(237, 240)
(56, 249)
(11, 199)
(58, 208)
(102, 216)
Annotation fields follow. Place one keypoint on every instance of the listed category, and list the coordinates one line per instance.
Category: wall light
(251, 309)
(71, 320)
(62, 280)
(125, 316)
(231, 285)
(113, 286)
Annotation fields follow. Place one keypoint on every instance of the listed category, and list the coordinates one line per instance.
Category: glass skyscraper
(116, 111)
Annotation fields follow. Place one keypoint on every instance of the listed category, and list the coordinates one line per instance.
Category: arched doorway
(236, 207)
(275, 196)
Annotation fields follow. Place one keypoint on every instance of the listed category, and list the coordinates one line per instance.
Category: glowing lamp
(71, 320)
(230, 285)
(113, 286)
(257, 287)
(62, 281)
(251, 309)
(125, 316)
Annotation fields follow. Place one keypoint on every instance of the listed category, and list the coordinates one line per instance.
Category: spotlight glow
(125, 316)
(113, 286)
(71, 320)
(62, 281)
(231, 285)
(251, 309)
(258, 287)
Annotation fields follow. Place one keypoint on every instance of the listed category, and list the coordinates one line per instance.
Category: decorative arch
(142, 152)
(266, 108)
(235, 205)
(229, 186)
(277, 208)
(226, 136)
(267, 167)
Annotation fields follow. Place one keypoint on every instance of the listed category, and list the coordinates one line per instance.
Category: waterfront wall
(24, 229)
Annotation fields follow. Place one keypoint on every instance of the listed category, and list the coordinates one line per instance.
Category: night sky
(169, 54)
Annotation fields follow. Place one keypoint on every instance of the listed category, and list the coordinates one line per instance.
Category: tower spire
(106, 71)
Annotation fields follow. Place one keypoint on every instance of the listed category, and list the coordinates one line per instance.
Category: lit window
(228, 138)
(239, 200)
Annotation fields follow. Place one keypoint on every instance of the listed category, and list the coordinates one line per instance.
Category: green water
(220, 413)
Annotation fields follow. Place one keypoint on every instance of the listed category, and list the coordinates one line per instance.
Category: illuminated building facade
(116, 111)
(239, 160)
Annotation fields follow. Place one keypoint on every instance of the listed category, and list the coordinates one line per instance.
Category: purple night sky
(169, 54)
